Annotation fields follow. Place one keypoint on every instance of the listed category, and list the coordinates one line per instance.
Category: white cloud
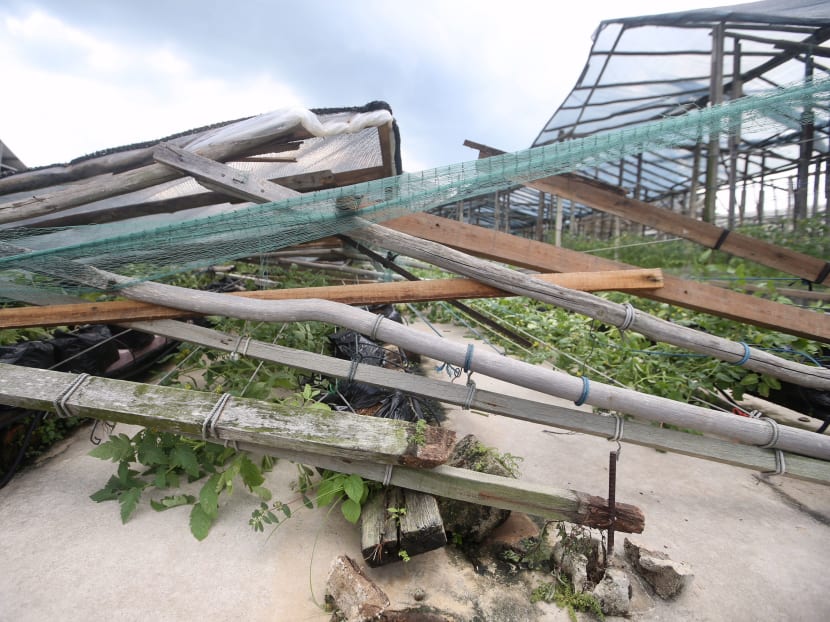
(69, 93)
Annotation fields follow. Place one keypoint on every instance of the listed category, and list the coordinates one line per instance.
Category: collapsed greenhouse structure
(682, 125)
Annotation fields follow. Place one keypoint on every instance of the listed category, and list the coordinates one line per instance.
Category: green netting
(157, 252)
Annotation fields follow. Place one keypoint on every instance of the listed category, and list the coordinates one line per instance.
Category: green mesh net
(48, 258)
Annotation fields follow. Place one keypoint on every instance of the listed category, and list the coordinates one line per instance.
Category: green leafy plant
(561, 592)
(419, 436)
(169, 461)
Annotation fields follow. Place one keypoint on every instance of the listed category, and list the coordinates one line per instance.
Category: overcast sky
(83, 75)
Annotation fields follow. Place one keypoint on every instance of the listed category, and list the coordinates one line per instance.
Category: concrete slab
(755, 551)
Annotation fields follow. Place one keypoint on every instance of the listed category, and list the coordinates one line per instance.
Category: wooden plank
(610, 200)
(304, 182)
(387, 150)
(689, 294)
(337, 442)
(267, 424)
(363, 294)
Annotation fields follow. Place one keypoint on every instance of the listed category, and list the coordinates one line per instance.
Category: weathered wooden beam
(363, 294)
(608, 199)
(369, 447)
(527, 253)
(268, 425)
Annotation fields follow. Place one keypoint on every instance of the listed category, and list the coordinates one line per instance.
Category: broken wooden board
(608, 199)
(363, 294)
(398, 523)
(527, 253)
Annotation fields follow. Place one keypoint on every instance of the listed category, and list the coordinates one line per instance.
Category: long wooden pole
(363, 294)
(380, 449)
(218, 175)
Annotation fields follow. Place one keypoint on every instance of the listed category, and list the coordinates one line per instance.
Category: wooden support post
(735, 135)
(805, 150)
(715, 97)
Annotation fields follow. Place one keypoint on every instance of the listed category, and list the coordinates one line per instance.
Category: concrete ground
(758, 547)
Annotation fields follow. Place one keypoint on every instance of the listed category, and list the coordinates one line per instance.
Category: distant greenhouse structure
(642, 69)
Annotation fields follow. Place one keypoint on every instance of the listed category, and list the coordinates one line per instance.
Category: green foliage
(561, 591)
(169, 460)
(419, 437)
(397, 513)
(348, 491)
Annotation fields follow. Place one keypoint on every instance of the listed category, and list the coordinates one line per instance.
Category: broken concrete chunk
(356, 597)
(614, 592)
(668, 578)
(572, 563)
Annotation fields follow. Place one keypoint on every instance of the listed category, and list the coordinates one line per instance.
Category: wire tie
(471, 392)
(234, 356)
(745, 357)
(387, 476)
(723, 235)
(245, 348)
(374, 334)
(234, 444)
(468, 359)
(776, 432)
(352, 370)
(629, 317)
(60, 401)
(216, 412)
(780, 464)
(586, 389)
(825, 272)
(619, 428)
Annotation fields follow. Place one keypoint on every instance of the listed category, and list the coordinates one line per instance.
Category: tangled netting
(48, 258)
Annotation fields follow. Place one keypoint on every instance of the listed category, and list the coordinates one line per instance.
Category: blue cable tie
(468, 360)
(745, 357)
(586, 388)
